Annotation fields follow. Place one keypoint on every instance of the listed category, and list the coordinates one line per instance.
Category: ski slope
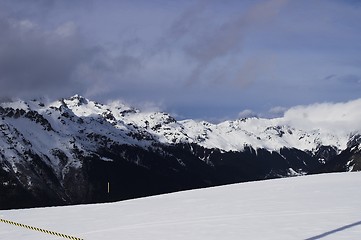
(308, 207)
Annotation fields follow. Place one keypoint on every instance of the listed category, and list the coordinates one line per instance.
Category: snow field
(310, 207)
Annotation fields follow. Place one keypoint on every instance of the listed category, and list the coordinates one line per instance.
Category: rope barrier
(40, 230)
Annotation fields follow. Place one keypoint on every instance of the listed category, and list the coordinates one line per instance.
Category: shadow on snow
(334, 231)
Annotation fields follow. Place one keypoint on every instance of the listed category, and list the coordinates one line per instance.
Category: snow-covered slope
(310, 207)
(47, 146)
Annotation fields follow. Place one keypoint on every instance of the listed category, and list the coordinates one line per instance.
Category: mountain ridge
(47, 147)
(271, 134)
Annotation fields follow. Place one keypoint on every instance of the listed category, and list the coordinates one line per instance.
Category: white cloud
(247, 113)
(66, 30)
(334, 117)
(25, 24)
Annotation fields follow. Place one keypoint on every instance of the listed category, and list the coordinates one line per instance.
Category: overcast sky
(204, 59)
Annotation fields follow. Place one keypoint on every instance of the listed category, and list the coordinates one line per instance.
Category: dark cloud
(34, 61)
(346, 79)
(206, 41)
(198, 58)
(189, 20)
(108, 74)
(330, 77)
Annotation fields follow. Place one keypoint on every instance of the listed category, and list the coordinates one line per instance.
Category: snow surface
(308, 207)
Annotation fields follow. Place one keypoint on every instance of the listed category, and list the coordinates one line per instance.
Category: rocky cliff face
(348, 160)
(66, 152)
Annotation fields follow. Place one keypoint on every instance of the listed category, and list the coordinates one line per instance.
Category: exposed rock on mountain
(66, 152)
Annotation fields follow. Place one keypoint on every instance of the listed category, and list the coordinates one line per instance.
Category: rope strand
(40, 230)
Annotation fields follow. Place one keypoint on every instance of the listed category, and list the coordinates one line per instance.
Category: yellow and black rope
(40, 230)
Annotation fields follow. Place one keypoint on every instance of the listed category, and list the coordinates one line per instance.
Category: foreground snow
(311, 207)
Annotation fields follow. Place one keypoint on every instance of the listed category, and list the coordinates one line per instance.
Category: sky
(205, 59)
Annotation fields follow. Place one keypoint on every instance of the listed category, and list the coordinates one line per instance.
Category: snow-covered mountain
(325, 206)
(67, 151)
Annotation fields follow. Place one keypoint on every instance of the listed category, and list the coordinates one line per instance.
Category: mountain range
(75, 150)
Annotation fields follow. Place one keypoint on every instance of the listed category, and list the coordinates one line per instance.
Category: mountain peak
(15, 104)
(78, 99)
